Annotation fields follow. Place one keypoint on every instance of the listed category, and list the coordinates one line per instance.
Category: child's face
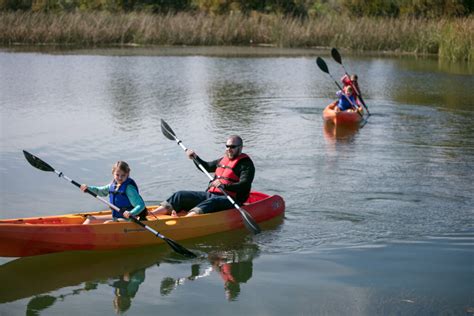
(120, 176)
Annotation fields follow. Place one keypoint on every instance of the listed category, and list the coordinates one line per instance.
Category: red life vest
(346, 81)
(225, 173)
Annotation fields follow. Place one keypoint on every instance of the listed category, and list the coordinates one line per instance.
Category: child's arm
(100, 191)
(135, 199)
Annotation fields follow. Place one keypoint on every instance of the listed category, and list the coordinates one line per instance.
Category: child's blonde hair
(122, 165)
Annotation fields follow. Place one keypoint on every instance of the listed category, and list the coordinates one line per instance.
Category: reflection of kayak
(345, 117)
(40, 235)
(32, 276)
(344, 132)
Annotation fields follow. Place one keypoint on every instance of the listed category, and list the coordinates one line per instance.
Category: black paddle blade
(322, 65)
(167, 131)
(36, 162)
(335, 54)
(250, 222)
(178, 248)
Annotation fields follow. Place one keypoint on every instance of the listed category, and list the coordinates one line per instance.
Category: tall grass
(451, 39)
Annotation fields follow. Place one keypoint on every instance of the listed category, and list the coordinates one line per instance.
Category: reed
(451, 39)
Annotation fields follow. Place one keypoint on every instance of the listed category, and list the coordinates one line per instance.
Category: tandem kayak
(348, 117)
(40, 235)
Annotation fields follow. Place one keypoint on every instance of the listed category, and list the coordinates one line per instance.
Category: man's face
(233, 148)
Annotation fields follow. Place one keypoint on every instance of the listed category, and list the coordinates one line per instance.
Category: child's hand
(126, 214)
(83, 187)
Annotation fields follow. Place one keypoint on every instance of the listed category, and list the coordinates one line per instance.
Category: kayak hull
(341, 117)
(41, 235)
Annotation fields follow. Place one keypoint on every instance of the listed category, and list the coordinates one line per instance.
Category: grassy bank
(451, 39)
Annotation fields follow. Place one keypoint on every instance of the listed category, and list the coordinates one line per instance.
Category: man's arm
(210, 166)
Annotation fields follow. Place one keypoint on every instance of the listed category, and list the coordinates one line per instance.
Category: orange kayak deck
(341, 117)
(40, 235)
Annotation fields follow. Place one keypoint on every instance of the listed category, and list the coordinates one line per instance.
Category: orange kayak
(344, 117)
(40, 235)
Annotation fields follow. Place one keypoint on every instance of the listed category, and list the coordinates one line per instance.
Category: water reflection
(339, 133)
(233, 267)
(33, 276)
(39, 303)
(429, 82)
(229, 259)
(125, 289)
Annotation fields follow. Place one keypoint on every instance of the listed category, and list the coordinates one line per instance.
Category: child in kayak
(352, 81)
(123, 193)
(346, 100)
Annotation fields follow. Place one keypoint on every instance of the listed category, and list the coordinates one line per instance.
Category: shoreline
(187, 50)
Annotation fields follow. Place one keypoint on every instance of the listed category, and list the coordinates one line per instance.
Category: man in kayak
(234, 174)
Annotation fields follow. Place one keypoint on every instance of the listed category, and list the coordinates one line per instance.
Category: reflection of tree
(126, 95)
(235, 102)
(41, 302)
(126, 287)
(429, 82)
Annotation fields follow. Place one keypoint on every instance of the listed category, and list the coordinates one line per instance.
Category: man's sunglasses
(232, 146)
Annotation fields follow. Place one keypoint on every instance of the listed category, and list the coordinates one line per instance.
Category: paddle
(322, 65)
(41, 165)
(248, 220)
(337, 57)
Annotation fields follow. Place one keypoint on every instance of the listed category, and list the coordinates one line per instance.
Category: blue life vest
(119, 197)
(344, 104)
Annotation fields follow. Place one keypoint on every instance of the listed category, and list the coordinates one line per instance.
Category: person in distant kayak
(346, 100)
(122, 192)
(233, 173)
(352, 81)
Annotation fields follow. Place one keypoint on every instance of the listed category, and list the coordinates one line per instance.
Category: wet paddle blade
(173, 244)
(250, 222)
(335, 54)
(36, 162)
(322, 65)
(167, 131)
(178, 248)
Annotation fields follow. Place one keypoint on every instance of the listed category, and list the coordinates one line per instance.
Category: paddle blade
(167, 131)
(36, 162)
(178, 248)
(322, 65)
(250, 222)
(335, 54)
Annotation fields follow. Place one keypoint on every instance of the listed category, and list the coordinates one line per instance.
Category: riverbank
(450, 39)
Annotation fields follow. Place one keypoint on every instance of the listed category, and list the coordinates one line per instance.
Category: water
(379, 220)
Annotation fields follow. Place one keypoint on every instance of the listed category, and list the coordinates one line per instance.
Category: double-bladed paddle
(41, 165)
(322, 65)
(248, 220)
(337, 57)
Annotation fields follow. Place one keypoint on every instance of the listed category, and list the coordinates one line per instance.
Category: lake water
(379, 220)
